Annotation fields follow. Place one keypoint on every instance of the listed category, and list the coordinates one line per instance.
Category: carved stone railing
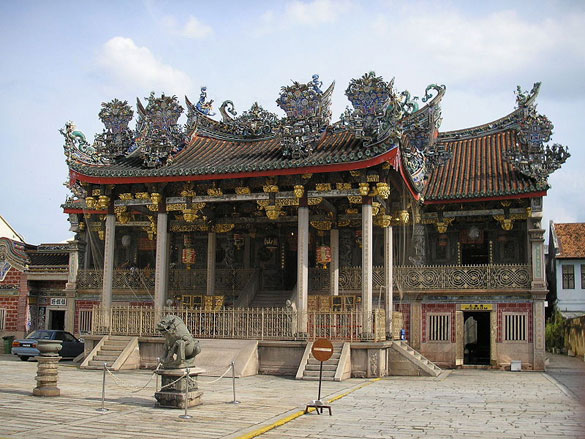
(179, 280)
(430, 277)
(345, 325)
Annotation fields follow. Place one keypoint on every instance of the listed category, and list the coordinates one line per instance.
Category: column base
(302, 336)
(389, 336)
(367, 336)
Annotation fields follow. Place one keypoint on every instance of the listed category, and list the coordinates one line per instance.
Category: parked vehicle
(27, 347)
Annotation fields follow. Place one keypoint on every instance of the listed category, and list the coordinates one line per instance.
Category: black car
(27, 347)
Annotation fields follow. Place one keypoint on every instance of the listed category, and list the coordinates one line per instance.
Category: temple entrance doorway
(56, 319)
(477, 338)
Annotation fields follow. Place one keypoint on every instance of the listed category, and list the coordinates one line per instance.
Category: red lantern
(323, 255)
(189, 256)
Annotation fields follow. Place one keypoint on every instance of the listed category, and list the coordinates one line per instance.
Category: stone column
(302, 268)
(109, 241)
(538, 288)
(70, 287)
(415, 325)
(367, 266)
(388, 261)
(161, 267)
(459, 337)
(494, 336)
(211, 245)
(334, 265)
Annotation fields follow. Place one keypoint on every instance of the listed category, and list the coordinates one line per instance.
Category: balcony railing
(237, 323)
(179, 280)
(430, 277)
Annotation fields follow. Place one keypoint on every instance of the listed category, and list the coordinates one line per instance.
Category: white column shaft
(334, 266)
(302, 269)
(109, 241)
(388, 261)
(160, 274)
(211, 245)
(367, 263)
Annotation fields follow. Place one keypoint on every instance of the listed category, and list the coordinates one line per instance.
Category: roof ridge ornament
(532, 157)
(308, 114)
(78, 149)
(158, 135)
(117, 139)
(253, 123)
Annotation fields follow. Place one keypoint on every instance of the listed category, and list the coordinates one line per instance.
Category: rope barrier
(133, 389)
(224, 374)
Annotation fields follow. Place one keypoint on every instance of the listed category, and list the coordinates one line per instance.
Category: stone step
(326, 367)
(116, 345)
(315, 373)
(100, 364)
(313, 360)
(101, 357)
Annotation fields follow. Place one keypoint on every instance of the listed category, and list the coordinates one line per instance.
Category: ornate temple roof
(507, 157)
(478, 169)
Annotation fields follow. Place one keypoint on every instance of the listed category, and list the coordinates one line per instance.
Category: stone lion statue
(180, 346)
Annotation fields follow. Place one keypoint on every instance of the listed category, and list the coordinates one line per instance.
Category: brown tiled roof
(48, 258)
(478, 169)
(571, 240)
(207, 156)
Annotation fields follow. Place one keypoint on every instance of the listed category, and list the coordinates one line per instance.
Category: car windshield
(40, 335)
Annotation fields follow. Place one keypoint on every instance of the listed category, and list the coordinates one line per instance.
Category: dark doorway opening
(57, 320)
(475, 254)
(477, 338)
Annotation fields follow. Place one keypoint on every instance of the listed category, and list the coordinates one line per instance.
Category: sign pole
(322, 350)
(320, 379)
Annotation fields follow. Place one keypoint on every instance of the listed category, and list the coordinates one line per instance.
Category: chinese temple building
(285, 229)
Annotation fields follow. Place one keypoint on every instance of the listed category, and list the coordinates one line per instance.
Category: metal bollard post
(186, 416)
(103, 409)
(235, 401)
(156, 389)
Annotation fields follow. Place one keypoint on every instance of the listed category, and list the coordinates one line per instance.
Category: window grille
(583, 276)
(2, 318)
(515, 327)
(85, 321)
(568, 277)
(439, 328)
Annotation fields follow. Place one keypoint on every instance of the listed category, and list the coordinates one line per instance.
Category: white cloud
(315, 12)
(193, 28)
(131, 66)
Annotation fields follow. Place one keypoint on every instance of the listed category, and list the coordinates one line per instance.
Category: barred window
(439, 328)
(515, 327)
(568, 277)
(583, 276)
(85, 321)
(2, 318)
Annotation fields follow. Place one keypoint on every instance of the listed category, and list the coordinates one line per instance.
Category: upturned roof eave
(324, 168)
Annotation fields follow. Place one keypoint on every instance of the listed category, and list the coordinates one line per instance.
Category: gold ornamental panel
(343, 186)
(243, 190)
(321, 225)
(313, 201)
(223, 228)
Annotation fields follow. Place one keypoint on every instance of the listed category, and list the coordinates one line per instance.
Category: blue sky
(60, 59)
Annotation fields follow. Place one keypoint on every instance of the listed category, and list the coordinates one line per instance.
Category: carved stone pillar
(367, 266)
(459, 338)
(388, 306)
(302, 269)
(538, 288)
(109, 241)
(71, 286)
(161, 268)
(211, 245)
(494, 336)
(334, 265)
(415, 325)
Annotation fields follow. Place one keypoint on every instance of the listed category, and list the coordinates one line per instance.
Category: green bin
(8, 339)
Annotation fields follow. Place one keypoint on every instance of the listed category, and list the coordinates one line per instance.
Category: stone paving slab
(464, 403)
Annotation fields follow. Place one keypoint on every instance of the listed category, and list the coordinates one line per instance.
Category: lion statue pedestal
(172, 393)
(177, 389)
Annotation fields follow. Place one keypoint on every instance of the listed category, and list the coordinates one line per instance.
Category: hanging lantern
(271, 243)
(323, 255)
(238, 240)
(443, 240)
(189, 257)
(358, 238)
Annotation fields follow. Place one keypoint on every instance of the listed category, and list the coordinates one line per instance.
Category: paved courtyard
(461, 403)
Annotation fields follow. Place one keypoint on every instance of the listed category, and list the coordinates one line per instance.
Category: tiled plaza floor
(464, 403)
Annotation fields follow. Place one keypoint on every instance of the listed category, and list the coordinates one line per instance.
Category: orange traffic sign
(322, 349)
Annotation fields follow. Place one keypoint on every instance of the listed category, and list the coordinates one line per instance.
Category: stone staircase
(118, 352)
(270, 299)
(337, 368)
(404, 360)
